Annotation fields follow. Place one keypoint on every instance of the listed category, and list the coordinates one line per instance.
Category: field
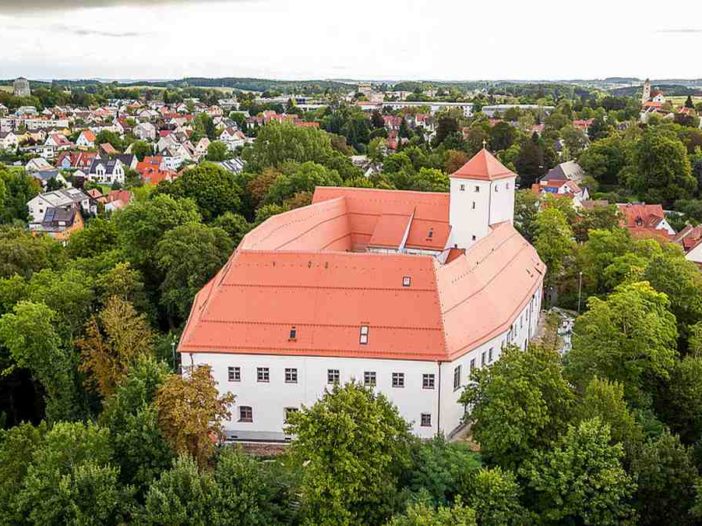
(679, 100)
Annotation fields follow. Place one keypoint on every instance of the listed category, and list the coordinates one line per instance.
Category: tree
(182, 496)
(203, 126)
(666, 477)
(630, 337)
(526, 209)
(680, 400)
(17, 189)
(575, 140)
(300, 178)
(442, 470)
(99, 236)
(70, 479)
(599, 252)
(455, 159)
(354, 446)
(141, 149)
(519, 404)
(554, 243)
(495, 496)
(132, 419)
(446, 126)
(217, 151)
(17, 446)
(213, 189)
(681, 281)
(663, 170)
(604, 400)
(207, 249)
(249, 494)
(278, 143)
(502, 136)
(605, 159)
(114, 340)
(142, 224)
(190, 412)
(530, 162)
(421, 514)
(581, 480)
(689, 103)
(597, 218)
(233, 224)
(68, 293)
(29, 335)
(23, 254)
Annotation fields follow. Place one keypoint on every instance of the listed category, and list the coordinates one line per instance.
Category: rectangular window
(482, 359)
(477, 189)
(369, 378)
(472, 365)
(245, 414)
(406, 281)
(333, 376)
(293, 333)
(457, 378)
(263, 374)
(426, 419)
(234, 374)
(289, 411)
(463, 188)
(473, 205)
(398, 379)
(290, 376)
(363, 340)
(427, 381)
(490, 355)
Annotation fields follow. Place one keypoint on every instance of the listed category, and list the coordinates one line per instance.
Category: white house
(232, 138)
(107, 171)
(65, 199)
(397, 290)
(8, 141)
(86, 139)
(145, 131)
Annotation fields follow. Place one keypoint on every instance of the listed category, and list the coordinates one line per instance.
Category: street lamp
(580, 288)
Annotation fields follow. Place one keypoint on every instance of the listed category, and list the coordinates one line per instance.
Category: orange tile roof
(483, 166)
(390, 230)
(299, 269)
(637, 215)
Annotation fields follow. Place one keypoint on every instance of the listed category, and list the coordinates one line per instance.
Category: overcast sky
(359, 39)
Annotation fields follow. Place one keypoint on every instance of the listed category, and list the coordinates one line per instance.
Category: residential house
(644, 220)
(59, 223)
(106, 171)
(690, 239)
(235, 165)
(44, 176)
(232, 138)
(86, 139)
(37, 164)
(145, 131)
(117, 199)
(75, 160)
(8, 141)
(567, 171)
(66, 198)
(55, 143)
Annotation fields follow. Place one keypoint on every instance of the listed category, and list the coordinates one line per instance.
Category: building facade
(405, 292)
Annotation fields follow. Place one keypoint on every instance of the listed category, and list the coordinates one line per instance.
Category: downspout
(438, 401)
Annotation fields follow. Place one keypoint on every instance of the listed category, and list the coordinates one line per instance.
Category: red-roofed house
(86, 139)
(690, 239)
(644, 220)
(404, 291)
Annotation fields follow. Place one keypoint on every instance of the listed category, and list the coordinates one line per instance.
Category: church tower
(646, 95)
(481, 195)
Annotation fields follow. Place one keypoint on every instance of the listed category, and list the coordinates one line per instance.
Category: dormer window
(363, 340)
(431, 233)
(406, 281)
(293, 333)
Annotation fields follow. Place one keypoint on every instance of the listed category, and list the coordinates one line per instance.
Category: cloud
(681, 30)
(38, 6)
(82, 31)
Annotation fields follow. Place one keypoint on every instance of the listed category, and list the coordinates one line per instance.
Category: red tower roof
(485, 167)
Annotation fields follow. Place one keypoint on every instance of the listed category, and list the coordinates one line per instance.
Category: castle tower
(481, 195)
(20, 88)
(646, 95)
